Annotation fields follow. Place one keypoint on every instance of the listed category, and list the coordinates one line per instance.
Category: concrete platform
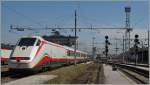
(115, 77)
(36, 79)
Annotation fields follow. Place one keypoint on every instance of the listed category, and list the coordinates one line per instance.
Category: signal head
(106, 41)
(136, 36)
(127, 9)
(136, 40)
(106, 37)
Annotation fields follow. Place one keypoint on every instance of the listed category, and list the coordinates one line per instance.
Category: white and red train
(4, 55)
(35, 52)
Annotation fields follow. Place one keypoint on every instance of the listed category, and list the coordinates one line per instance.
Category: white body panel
(37, 53)
(5, 53)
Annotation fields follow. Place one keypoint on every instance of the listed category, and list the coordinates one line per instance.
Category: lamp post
(75, 47)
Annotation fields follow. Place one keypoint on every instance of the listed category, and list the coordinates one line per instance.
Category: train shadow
(5, 73)
(24, 73)
(20, 74)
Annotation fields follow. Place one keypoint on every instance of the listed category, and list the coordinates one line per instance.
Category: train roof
(65, 47)
(69, 48)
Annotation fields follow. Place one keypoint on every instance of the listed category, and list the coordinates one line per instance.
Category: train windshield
(27, 42)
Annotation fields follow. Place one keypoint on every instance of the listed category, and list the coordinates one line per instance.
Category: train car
(34, 53)
(5, 54)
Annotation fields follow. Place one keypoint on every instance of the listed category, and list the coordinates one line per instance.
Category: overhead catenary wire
(25, 16)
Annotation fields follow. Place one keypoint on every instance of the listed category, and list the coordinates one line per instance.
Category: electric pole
(75, 47)
(148, 42)
(116, 47)
(123, 49)
(93, 49)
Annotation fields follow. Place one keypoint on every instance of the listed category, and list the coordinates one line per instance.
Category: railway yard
(75, 42)
(84, 73)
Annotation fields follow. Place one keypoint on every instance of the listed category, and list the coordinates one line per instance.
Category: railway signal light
(106, 41)
(136, 41)
(106, 45)
(106, 37)
(106, 48)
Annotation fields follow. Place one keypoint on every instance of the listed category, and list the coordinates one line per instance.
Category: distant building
(7, 46)
(142, 55)
(60, 39)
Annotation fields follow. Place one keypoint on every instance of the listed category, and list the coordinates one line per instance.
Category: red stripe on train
(5, 49)
(39, 48)
(3, 59)
(46, 59)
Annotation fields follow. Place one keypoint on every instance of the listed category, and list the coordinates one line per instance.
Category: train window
(68, 53)
(38, 43)
(78, 54)
(27, 42)
(71, 53)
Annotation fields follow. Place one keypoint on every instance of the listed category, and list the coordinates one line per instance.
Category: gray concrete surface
(36, 79)
(115, 77)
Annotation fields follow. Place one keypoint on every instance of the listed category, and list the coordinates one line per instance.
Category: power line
(26, 17)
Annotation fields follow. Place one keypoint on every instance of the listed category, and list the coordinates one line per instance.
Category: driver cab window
(38, 43)
(27, 42)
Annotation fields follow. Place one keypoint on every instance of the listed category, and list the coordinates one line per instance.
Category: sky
(41, 14)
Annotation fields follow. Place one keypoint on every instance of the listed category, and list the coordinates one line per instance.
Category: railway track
(140, 76)
(141, 65)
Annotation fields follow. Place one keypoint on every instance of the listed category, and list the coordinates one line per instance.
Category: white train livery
(35, 52)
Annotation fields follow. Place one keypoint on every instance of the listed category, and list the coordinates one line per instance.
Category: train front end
(24, 52)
